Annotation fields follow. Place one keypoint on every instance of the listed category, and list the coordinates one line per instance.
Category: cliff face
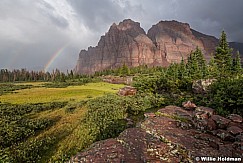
(124, 43)
(175, 40)
(127, 42)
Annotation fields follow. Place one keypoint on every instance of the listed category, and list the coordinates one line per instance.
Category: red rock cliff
(127, 42)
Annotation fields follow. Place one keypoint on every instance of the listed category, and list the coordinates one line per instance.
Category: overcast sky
(33, 31)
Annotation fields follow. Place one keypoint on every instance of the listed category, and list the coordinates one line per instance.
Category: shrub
(104, 114)
(226, 96)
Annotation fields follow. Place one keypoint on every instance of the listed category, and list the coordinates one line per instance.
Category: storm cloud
(33, 32)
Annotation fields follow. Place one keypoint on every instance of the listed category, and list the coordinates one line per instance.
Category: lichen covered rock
(170, 135)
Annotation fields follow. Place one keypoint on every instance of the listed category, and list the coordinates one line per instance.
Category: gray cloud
(212, 17)
(97, 14)
(32, 32)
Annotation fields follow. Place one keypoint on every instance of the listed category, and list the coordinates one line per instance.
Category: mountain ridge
(127, 43)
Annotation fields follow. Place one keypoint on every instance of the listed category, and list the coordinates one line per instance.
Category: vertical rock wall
(165, 43)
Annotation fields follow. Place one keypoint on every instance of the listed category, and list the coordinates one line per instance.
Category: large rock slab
(133, 145)
(159, 138)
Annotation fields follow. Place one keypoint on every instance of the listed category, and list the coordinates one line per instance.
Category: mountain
(127, 43)
(237, 47)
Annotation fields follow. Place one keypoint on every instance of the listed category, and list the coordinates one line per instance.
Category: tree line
(20, 75)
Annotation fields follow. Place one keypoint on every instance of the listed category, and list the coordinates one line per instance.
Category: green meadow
(41, 94)
(39, 124)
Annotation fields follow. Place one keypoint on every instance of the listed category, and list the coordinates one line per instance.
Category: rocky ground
(172, 134)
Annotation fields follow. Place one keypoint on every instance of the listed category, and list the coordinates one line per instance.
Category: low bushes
(106, 114)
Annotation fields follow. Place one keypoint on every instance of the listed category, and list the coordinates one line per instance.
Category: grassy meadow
(41, 94)
(35, 116)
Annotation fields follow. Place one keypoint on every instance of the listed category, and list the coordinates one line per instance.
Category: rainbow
(54, 56)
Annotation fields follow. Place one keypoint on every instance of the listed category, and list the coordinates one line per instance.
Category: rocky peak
(128, 26)
(172, 29)
(175, 25)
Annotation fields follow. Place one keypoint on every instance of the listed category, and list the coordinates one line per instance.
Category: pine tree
(124, 70)
(189, 65)
(173, 71)
(201, 63)
(223, 55)
(195, 72)
(212, 68)
(196, 65)
(71, 74)
(237, 63)
(182, 69)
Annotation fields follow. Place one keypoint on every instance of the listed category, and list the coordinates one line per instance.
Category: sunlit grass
(75, 93)
(69, 130)
(31, 83)
(71, 133)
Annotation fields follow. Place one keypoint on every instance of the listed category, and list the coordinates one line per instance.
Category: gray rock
(200, 86)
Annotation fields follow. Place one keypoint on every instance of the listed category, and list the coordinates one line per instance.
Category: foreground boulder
(169, 135)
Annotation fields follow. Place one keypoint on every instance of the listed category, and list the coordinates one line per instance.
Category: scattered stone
(200, 86)
(206, 110)
(149, 115)
(189, 105)
(127, 90)
(112, 155)
(234, 130)
(220, 121)
(201, 124)
(200, 115)
(235, 118)
(224, 135)
(184, 125)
